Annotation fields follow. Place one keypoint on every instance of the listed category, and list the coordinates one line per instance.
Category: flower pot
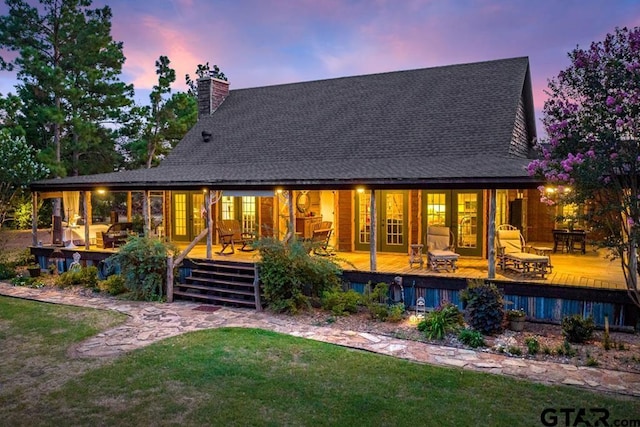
(33, 271)
(516, 324)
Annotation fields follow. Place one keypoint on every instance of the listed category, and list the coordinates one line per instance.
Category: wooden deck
(591, 270)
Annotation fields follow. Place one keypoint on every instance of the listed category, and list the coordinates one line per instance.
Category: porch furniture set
(568, 240)
(115, 236)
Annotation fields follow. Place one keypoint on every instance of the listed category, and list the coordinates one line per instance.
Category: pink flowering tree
(592, 119)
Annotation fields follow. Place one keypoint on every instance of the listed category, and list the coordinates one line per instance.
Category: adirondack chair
(441, 249)
(230, 232)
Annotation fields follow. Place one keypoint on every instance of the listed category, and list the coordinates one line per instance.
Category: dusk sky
(267, 42)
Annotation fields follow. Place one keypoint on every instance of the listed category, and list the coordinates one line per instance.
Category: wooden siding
(345, 220)
(521, 137)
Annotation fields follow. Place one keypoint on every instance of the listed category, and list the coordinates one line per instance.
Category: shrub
(484, 306)
(113, 285)
(533, 345)
(375, 300)
(340, 302)
(29, 282)
(576, 328)
(444, 319)
(396, 311)
(515, 350)
(565, 349)
(143, 265)
(290, 276)
(7, 271)
(471, 338)
(85, 276)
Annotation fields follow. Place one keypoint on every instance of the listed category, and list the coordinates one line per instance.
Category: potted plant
(33, 268)
(516, 319)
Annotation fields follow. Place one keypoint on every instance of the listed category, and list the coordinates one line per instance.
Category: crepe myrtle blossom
(592, 122)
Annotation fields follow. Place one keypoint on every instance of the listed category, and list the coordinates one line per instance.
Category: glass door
(461, 211)
(392, 207)
(467, 217)
(188, 215)
(244, 209)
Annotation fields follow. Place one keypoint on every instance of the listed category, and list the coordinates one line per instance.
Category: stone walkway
(151, 322)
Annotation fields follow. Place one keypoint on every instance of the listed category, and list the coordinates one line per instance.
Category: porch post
(292, 229)
(85, 217)
(34, 218)
(373, 232)
(207, 201)
(146, 212)
(492, 235)
(129, 202)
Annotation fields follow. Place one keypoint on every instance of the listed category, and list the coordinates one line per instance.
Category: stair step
(215, 298)
(223, 273)
(216, 281)
(215, 289)
(227, 266)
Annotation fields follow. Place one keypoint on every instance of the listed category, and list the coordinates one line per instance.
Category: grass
(253, 377)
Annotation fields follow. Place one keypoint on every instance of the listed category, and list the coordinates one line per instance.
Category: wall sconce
(206, 136)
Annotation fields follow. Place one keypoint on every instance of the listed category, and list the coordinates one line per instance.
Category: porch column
(85, 217)
(146, 208)
(292, 227)
(207, 202)
(492, 235)
(373, 232)
(129, 202)
(34, 218)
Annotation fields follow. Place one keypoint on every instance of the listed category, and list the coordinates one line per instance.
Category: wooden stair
(221, 282)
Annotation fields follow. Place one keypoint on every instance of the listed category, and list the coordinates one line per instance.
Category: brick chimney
(211, 93)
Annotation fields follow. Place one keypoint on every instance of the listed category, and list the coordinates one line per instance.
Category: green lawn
(255, 377)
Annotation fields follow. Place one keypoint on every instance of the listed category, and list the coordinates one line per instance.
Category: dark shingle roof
(433, 126)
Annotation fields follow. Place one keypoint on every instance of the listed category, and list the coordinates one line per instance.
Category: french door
(461, 211)
(188, 215)
(391, 220)
(244, 209)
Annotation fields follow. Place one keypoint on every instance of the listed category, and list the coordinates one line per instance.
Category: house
(422, 147)
(380, 157)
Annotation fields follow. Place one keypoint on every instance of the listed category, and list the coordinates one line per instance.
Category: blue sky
(265, 42)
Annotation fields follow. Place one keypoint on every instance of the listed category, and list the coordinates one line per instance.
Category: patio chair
(512, 255)
(320, 239)
(441, 249)
(230, 232)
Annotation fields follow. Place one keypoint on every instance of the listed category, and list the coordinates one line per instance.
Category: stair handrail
(172, 263)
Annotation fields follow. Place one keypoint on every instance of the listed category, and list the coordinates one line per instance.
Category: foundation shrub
(7, 271)
(290, 276)
(375, 300)
(340, 302)
(143, 265)
(484, 309)
(577, 329)
(113, 285)
(85, 276)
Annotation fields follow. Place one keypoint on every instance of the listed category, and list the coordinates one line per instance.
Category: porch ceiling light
(101, 191)
(360, 190)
